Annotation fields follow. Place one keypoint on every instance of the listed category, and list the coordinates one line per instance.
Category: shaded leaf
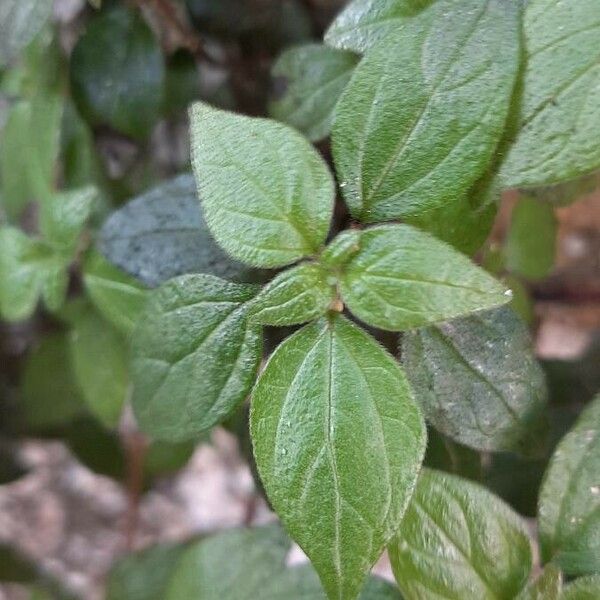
(547, 586)
(584, 588)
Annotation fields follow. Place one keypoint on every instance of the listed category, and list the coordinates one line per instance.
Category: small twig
(135, 452)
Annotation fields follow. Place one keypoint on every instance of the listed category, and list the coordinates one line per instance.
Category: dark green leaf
(14, 567)
(195, 355)
(527, 254)
(559, 118)
(445, 455)
(117, 73)
(459, 541)
(11, 467)
(547, 586)
(338, 442)
(585, 588)
(297, 295)
(419, 122)
(266, 193)
(478, 381)
(365, 22)
(161, 234)
(569, 505)
(403, 278)
(308, 81)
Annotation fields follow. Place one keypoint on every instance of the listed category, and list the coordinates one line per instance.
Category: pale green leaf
(569, 504)
(458, 541)
(403, 278)
(267, 195)
(117, 296)
(308, 81)
(527, 254)
(584, 588)
(295, 296)
(547, 586)
(338, 443)
(364, 22)
(478, 381)
(559, 117)
(419, 122)
(195, 355)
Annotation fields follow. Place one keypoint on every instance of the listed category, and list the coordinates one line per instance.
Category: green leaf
(162, 234)
(564, 194)
(143, 575)
(338, 442)
(547, 586)
(403, 278)
(267, 195)
(569, 504)
(559, 117)
(419, 122)
(118, 72)
(295, 296)
(459, 541)
(100, 361)
(585, 588)
(20, 21)
(119, 298)
(50, 396)
(445, 455)
(308, 81)
(531, 256)
(365, 22)
(63, 216)
(478, 381)
(195, 355)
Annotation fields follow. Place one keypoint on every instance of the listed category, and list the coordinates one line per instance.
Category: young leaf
(569, 504)
(117, 73)
(403, 278)
(419, 122)
(308, 81)
(20, 21)
(584, 588)
(457, 540)
(365, 22)
(162, 234)
(478, 382)
(338, 443)
(100, 360)
(531, 256)
(266, 194)
(559, 120)
(195, 355)
(295, 296)
(547, 586)
(119, 298)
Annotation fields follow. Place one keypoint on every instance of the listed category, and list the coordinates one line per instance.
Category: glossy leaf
(478, 381)
(528, 255)
(119, 298)
(195, 355)
(559, 118)
(419, 122)
(162, 234)
(117, 73)
(569, 505)
(267, 195)
(365, 22)
(338, 442)
(547, 586)
(584, 588)
(457, 540)
(308, 81)
(297, 295)
(403, 278)
(100, 361)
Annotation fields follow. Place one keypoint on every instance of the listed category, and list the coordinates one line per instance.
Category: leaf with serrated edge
(266, 193)
(559, 119)
(338, 443)
(403, 278)
(419, 122)
(295, 296)
(308, 81)
(457, 540)
(569, 504)
(195, 355)
(478, 381)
